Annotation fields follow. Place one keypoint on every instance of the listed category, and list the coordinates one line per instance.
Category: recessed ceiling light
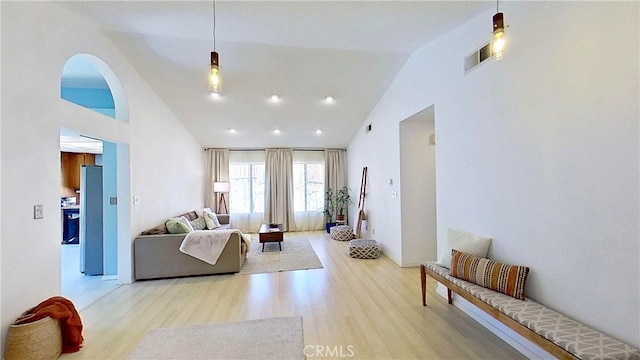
(274, 98)
(232, 131)
(215, 95)
(319, 131)
(329, 99)
(276, 131)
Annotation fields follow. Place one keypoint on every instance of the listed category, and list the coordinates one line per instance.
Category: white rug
(296, 254)
(274, 338)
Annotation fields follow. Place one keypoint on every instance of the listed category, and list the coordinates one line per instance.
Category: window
(308, 186)
(247, 188)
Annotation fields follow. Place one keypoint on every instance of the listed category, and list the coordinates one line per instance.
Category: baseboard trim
(515, 340)
(391, 258)
(109, 277)
(411, 265)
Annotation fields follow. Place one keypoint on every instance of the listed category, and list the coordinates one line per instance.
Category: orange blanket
(64, 311)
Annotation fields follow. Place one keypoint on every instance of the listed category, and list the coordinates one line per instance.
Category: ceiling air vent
(477, 57)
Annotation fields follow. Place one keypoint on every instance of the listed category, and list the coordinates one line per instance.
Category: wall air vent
(477, 57)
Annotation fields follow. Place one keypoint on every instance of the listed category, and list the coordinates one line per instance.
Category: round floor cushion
(341, 232)
(364, 249)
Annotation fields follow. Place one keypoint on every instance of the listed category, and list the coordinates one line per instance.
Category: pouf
(341, 232)
(364, 249)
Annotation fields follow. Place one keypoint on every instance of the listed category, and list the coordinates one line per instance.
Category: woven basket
(37, 340)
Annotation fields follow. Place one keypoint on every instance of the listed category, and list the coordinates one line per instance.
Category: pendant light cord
(497, 6)
(214, 25)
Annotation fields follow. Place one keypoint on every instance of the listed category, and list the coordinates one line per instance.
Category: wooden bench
(557, 334)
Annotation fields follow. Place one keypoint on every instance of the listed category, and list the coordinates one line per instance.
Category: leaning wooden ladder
(363, 187)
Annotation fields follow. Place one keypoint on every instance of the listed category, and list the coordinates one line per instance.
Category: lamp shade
(221, 187)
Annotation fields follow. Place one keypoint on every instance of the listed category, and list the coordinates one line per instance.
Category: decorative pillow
(198, 224)
(507, 279)
(178, 225)
(465, 242)
(211, 219)
(199, 212)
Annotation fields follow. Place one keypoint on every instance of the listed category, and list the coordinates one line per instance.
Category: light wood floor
(83, 290)
(371, 307)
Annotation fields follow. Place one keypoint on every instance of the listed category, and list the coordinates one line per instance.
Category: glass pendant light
(497, 40)
(215, 81)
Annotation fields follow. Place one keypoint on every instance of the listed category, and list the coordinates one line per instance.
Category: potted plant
(343, 200)
(329, 208)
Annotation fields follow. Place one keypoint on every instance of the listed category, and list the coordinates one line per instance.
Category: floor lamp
(221, 187)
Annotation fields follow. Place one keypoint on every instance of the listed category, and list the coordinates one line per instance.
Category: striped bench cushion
(576, 338)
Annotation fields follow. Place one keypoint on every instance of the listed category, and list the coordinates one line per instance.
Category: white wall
(165, 160)
(1, 171)
(418, 184)
(378, 150)
(538, 151)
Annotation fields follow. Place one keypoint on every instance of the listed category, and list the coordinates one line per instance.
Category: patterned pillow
(199, 224)
(507, 279)
(211, 219)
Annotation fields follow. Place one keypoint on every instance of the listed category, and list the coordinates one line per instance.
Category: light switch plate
(38, 211)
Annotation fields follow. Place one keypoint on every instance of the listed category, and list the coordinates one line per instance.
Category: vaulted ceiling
(299, 50)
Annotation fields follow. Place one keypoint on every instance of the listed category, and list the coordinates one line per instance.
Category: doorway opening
(89, 221)
(418, 184)
(94, 176)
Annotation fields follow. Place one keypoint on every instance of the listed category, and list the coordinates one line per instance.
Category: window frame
(250, 177)
(305, 182)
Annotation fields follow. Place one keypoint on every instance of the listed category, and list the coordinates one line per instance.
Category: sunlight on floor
(82, 290)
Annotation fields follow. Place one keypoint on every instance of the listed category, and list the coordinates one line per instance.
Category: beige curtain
(278, 188)
(217, 170)
(335, 165)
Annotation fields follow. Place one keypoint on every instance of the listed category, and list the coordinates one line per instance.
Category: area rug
(296, 254)
(274, 338)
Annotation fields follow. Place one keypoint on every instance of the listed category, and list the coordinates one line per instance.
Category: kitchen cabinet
(70, 164)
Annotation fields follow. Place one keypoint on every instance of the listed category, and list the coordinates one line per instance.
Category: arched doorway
(103, 220)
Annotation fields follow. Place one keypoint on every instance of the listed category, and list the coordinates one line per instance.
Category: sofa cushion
(463, 241)
(211, 220)
(507, 279)
(160, 229)
(179, 225)
(191, 215)
(198, 224)
(201, 212)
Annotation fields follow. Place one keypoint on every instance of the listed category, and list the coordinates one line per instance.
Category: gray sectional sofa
(157, 255)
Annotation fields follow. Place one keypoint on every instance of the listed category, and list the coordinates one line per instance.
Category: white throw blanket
(247, 240)
(206, 245)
